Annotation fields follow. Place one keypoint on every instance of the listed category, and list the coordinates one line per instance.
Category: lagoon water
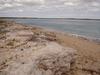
(89, 28)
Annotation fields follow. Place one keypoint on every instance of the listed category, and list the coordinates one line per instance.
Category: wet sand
(21, 46)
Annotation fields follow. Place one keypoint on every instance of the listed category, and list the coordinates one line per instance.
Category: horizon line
(55, 18)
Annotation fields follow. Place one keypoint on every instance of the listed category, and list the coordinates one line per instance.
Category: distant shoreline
(47, 18)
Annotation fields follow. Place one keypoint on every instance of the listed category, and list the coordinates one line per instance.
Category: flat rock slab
(53, 59)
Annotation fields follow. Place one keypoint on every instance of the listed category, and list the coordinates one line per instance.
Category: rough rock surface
(53, 59)
(26, 50)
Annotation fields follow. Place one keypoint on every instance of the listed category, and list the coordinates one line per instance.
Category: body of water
(89, 28)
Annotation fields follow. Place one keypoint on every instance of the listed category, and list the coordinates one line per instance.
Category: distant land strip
(46, 18)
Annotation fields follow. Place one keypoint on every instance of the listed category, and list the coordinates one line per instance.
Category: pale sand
(24, 48)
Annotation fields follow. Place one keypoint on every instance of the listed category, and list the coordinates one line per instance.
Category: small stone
(22, 49)
(23, 62)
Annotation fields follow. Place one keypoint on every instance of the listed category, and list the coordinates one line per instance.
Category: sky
(50, 8)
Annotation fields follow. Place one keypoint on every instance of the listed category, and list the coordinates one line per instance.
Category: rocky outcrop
(26, 50)
(53, 59)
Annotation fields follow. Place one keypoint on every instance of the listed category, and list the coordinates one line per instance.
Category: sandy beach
(31, 50)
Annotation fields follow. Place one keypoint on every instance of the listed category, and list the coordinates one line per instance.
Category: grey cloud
(18, 3)
(52, 7)
(7, 4)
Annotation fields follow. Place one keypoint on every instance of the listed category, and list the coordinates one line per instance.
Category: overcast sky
(50, 8)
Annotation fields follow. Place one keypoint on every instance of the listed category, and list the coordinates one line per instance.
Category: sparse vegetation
(2, 31)
(11, 43)
(3, 25)
(2, 21)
